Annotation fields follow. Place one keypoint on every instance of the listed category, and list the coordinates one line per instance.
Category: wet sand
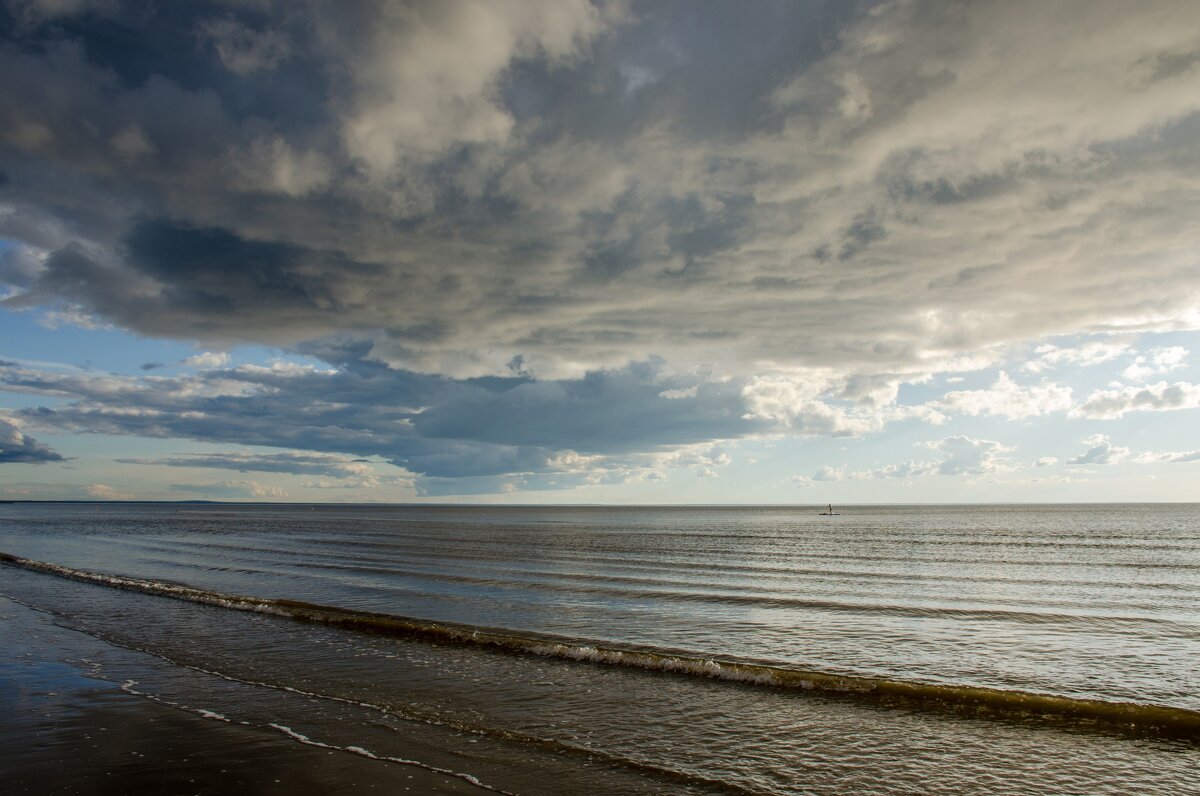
(63, 731)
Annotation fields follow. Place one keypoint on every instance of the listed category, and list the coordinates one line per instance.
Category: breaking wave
(1163, 719)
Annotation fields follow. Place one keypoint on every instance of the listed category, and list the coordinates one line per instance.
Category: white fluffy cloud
(1160, 397)
(961, 455)
(1008, 399)
(908, 469)
(1156, 362)
(967, 456)
(1100, 451)
(209, 360)
(1096, 352)
(828, 473)
(793, 400)
(1153, 457)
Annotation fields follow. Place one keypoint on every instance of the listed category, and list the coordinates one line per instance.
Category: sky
(561, 251)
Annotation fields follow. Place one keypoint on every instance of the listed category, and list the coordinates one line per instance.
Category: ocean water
(888, 650)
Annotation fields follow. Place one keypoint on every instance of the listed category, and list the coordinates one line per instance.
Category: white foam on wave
(702, 667)
(592, 654)
(204, 713)
(361, 752)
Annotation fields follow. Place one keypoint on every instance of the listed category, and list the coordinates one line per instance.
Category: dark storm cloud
(804, 203)
(602, 412)
(429, 425)
(19, 266)
(209, 272)
(590, 186)
(71, 274)
(18, 448)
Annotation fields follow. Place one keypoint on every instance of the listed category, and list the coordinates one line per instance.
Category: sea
(965, 649)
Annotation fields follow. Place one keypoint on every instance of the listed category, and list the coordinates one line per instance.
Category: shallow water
(1084, 602)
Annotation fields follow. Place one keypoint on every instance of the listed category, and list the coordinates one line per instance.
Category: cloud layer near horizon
(610, 426)
(517, 230)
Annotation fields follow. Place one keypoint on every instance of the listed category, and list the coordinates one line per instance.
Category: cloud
(242, 49)
(962, 455)
(106, 492)
(828, 473)
(67, 315)
(19, 264)
(39, 11)
(1160, 397)
(209, 360)
(1100, 451)
(683, 392)
(794, 401)
(365, 482)
(1158, 361)
(131, 144)
(1153, 457)
(425, 76)
(232, 489)
(272, 164)
(519, 229)
(1046, 461)
(18, 448)
(290, 462)
(1087, 355)
(607, 426)
(1007, 399)
(908, 469)
(436, 176)
(967, 456)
